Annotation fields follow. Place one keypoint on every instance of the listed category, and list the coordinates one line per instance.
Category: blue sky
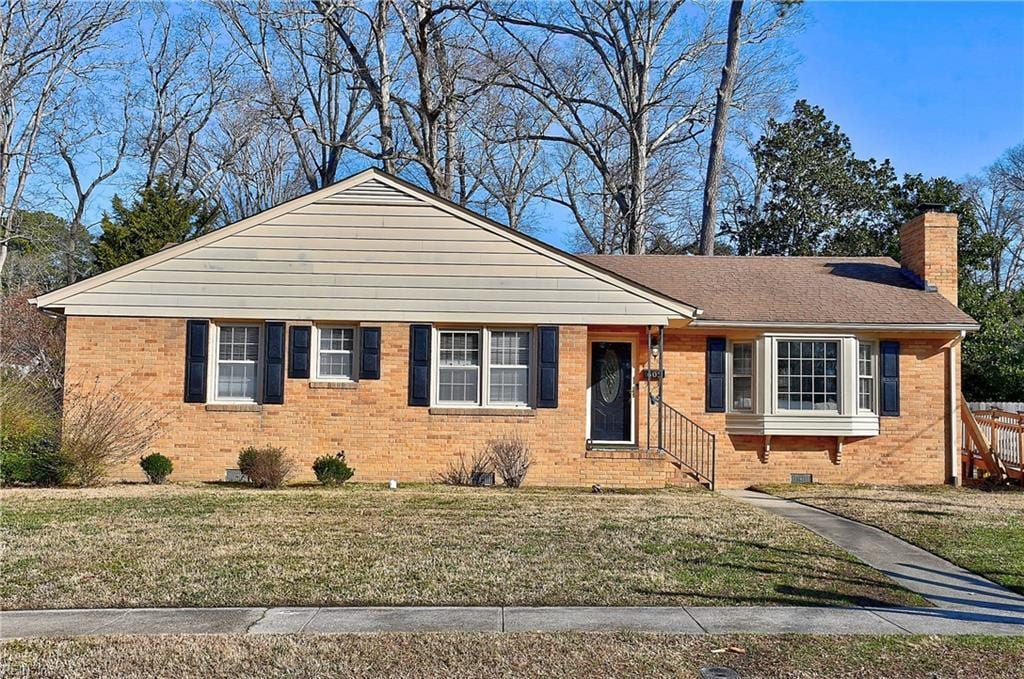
(937, 87)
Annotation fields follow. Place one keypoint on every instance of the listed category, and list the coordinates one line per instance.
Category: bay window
(866, 376)
(809, 385)
(238, 350)
(808, 375)
(483, 367)
(743, 376)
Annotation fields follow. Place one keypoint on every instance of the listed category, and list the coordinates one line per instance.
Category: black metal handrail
(688, 443)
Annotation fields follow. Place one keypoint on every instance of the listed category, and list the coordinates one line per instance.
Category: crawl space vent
(801, 478)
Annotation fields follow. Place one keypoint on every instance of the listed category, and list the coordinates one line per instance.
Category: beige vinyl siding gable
(371, 251)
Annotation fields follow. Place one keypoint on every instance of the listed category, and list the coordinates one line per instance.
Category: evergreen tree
(821, 198)
(158, 216)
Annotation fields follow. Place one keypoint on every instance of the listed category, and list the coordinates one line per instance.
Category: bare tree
(44, 47)
(416, 67)
(246, 164)
(91, 148)
(364, 29)
(638, 69)
(718, 130)
(509, 174)
(998, 200)
(185, 82)
(308, 83)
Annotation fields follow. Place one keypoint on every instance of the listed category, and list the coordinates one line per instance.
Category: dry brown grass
(981, 531)
(173, 545)
(515, 655)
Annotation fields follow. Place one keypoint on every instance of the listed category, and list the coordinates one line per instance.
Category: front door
(611, 393)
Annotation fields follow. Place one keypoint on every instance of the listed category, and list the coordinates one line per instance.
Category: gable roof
(368, 248)
(809, 291)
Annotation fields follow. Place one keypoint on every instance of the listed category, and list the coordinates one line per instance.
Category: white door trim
(624, 338)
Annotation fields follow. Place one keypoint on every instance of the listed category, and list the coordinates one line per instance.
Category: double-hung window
(238, 350)
(458, 378)
(808, 375)
(743, 376)
(510, 367)
(483, 367)
(336, 353)
(866, 376)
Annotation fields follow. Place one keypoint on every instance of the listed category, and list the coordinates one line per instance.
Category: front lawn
(980, 531)
(137, 545)
(514, 655)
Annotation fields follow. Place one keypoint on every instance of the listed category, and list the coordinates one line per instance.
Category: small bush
(265, 467)
(157, 467)
(459, 472)
(103, 428)
(332, 469)
(31, 458)
(510, 457)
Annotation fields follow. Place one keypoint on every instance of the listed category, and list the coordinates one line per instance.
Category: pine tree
(159, 215)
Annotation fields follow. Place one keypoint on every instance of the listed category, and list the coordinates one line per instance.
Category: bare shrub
(102, 428)
(266, 467)
(461, 472)
(510, 458)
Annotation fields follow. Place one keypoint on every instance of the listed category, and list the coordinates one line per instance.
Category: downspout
(954, 412)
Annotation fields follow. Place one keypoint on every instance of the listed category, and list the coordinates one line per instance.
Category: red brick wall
(928, 247)
(382, 436)
(385, 438)
(910, 449)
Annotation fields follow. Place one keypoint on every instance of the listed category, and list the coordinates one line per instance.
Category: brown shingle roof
(813, 290)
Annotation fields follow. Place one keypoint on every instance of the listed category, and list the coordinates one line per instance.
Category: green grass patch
(212, 545)
(982, 531)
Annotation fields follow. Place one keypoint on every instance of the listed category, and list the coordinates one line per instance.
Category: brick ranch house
(376, 318)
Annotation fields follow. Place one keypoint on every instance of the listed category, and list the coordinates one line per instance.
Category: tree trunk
(718, 132)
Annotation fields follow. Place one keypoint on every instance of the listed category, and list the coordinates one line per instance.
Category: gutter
(786, 325)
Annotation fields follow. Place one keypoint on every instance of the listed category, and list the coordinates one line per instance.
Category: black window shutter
(889, 360)
(547, 366)
(273, 363)
(715, 369)
(369, 354)
(197, 343)
(299, 338)
(419, 365)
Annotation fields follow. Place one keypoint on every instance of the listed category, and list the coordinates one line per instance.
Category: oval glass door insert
(611, 376)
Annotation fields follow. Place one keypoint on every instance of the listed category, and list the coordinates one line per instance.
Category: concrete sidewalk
(670, 620)
(946, 585)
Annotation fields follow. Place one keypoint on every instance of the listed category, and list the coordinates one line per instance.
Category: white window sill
(802, 424)
(333, 384)
(234, 407)
(479, 411)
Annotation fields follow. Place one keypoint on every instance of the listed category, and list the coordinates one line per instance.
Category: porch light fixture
(656, 343)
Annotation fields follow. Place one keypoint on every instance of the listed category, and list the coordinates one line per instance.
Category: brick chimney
(928, 250)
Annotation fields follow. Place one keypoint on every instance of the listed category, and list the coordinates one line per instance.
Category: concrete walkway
(946, 585)
(697, 620)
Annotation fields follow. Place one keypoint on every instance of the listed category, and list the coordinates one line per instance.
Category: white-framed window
(509, 369)
(483, 367)
(807, 374)
(866, 363)
(458, 367)
(743, 376)
(336, 353)
(237, 366)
